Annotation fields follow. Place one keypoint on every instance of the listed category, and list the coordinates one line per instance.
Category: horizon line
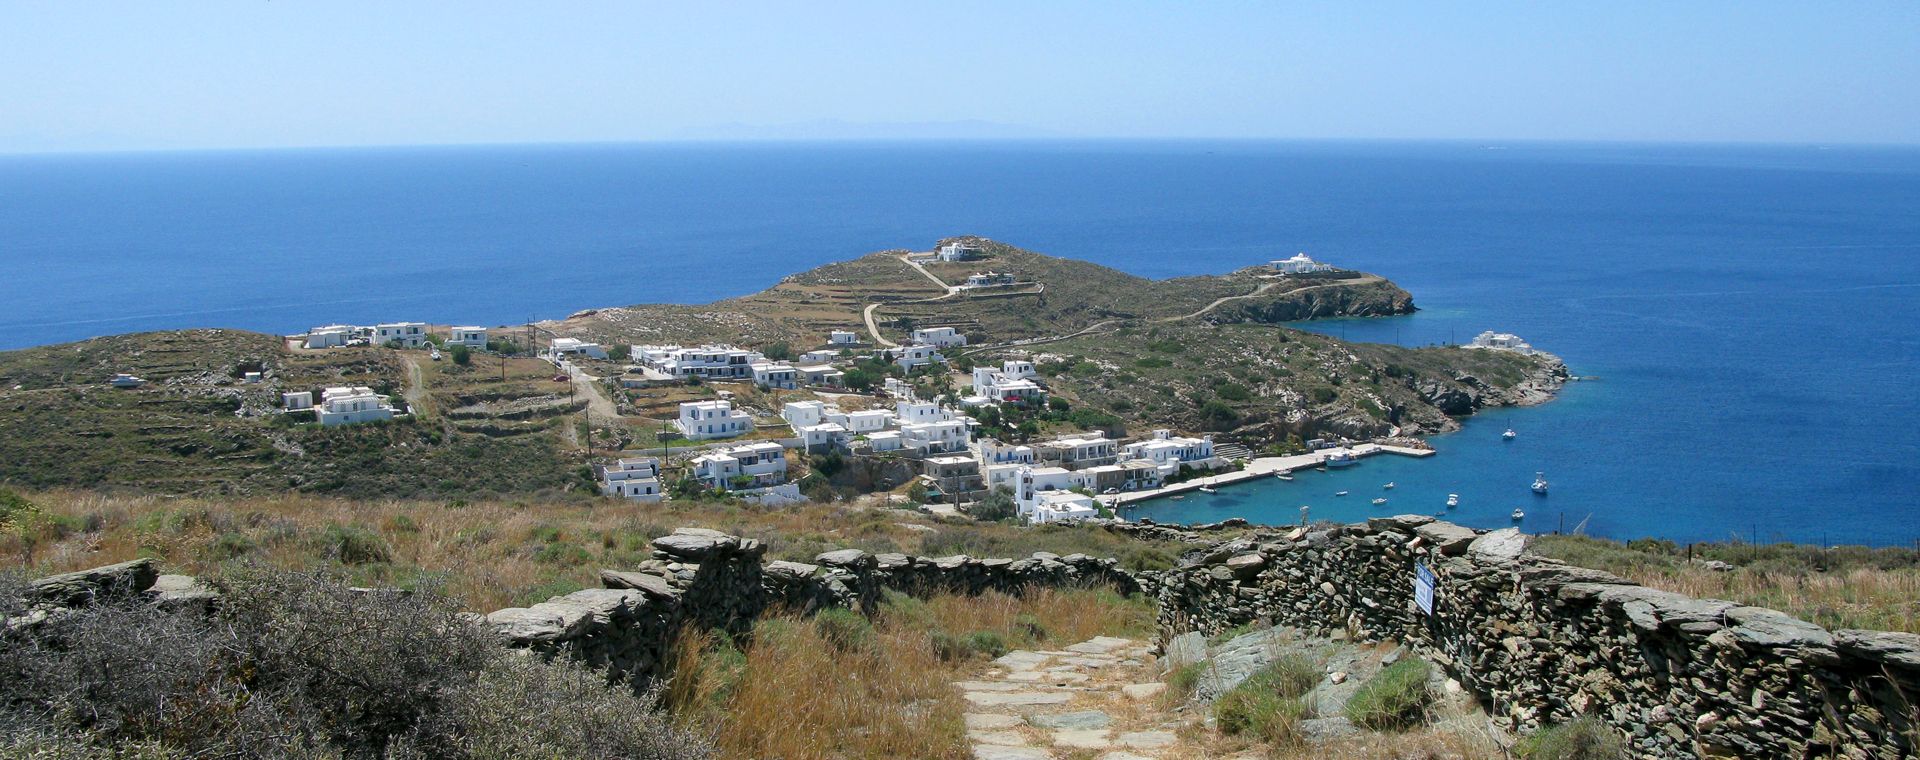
(755, 141)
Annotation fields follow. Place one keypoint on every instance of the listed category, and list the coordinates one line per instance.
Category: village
(769, 425)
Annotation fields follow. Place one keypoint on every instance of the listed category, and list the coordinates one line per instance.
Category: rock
(1402, 523)
(1083, 719)
(1002, 738)
(1246, 566)
(1185, 649)
(1015, 698)
(1082, 738)
(1898, 649)
(851, 559)
(1337, 677)
(1146, 739)
(531, 625)
(1503, 545)
(695, 544)
(1021, 659)
(1120, 755)
(997, 752)
(1327, 729)
(1143, 691)
(1099, 645)
(790, 570)
(83, 586)
(179, 592)
(648, 583)
(991, 720)
(1451, 540)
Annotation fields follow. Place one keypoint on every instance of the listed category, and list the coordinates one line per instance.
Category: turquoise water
(1749, 312)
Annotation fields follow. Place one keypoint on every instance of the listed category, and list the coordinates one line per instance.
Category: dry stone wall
(1541, 642)
(705, 579)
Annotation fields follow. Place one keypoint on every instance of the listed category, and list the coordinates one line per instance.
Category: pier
(1265, 467)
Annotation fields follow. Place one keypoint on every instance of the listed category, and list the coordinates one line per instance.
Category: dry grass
(489, 554)
(805, 688)
(1843, 587)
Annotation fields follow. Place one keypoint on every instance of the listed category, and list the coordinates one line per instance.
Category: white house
(799, 414)
(821, 375)
(920, 411)
(469, 336)
(842, 338)
(408, 334)
(917, 355)
(297, 401)
(988, 279)
(703, 420)
(958, 252)
(1009, 383)
(937, 437)
(1166, 452)
(708, 362)
(761, 464)
(819, 356)
(941, 337)
(781, 375)
(1079, 451)
(566, 347)
(635, 478)
(348, 404)
(826, 436)
(861, 422)
(885, 440)
(1043, 496)
(329, 336)
(1001, 463)
(1299, 263)
(1501, 342)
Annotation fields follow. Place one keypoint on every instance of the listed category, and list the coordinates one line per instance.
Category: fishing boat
(1378, 502)
(1509, 435)
(1283, 476)
(1339, 493)
(1340, 459)
(1207, 489)
(1388, 486)
(1453, 500)
(1518, 515)
(1540, 483)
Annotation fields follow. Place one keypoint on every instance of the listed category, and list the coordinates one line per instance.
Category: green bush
(987, 643)
(1395, 698)
(353, 545)
(1323, 394)
(846, 630)
(1186, 678)
(1264, 714)
(1152, 362)
(1584, 739)
(462, 355)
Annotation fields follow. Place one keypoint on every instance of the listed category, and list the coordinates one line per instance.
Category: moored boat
(1540, 483)
(1453, 500)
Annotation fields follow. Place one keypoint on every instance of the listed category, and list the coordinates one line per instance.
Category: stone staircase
(1096, 696)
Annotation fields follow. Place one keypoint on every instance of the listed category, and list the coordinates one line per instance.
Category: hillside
(1049, 297)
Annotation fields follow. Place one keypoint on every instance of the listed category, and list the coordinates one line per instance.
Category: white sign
(1423, 587)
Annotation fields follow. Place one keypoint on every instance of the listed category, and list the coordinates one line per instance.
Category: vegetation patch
(1395, 698)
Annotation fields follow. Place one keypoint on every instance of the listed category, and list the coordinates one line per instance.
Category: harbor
(1268, 468)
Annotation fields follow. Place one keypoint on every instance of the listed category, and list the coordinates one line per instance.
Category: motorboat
(1388, 486)
(1283, 476)
(1453, 500)
(1339, 493)
(1378, 502)
(1340, 459)
(1509, 435)
(1207, 489)
(1519, 515)
(1540, 483)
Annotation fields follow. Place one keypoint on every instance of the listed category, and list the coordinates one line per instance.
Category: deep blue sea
(1749, 312)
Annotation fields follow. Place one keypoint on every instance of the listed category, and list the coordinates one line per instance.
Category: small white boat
(1388, 486)
(1519, 515)
(1540, 483)
(1283, 476)
(1509, 435)
(1339, 493)
(1207, 489)
(1178, 497)
(1453, 500)
(1378, 502)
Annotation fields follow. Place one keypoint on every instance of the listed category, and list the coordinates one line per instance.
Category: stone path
(1100, 695)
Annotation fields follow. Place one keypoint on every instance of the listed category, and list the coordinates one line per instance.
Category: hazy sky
(79, 75)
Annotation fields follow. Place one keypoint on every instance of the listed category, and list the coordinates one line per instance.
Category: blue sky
(112, 76)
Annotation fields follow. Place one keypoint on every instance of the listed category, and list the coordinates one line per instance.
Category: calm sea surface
(1749, 313)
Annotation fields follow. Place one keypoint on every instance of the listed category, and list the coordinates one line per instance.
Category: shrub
(846, 630)
(1233, 392)
(1148, 558)
(1257, 712)
(987, 643)
(998, 506)
(1394, 698)
(577, 714)
(353, 545)
(1152, 362)
(1186, 678)
(1584, 739)
(1323, 394)
(462, 355)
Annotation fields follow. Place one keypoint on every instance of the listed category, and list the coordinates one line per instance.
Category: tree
(461, 355)
(997, 507)
(778, 352)
(619, 353)
(917, 493)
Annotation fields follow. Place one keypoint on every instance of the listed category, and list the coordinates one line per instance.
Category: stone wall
(704, 579)
(1541, 642)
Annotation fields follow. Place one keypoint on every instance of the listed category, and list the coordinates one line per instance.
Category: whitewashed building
(843, 338)
(917, 355)
(1079, 452)
(817, 356)
(1166, 452)
(1010, 383)
(779, 375)
(1043, 495)
(988, 279)
(565, 348)
(636, 478)
(1299, 263)
(710, 362)
(941, 337)
(937, 437)
(1501, 342)
(799, 414)
(760, 464)
(821, 375)
(958, 252)
(329, 336)
(704, 420)
(408, 334)
(469, 336)
(348, 404)
(297, 400)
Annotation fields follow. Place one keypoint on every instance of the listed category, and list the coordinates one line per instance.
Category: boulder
(83, 586)
(1451, 540)
(1503, 545)
(648, 583)
(695, 544)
